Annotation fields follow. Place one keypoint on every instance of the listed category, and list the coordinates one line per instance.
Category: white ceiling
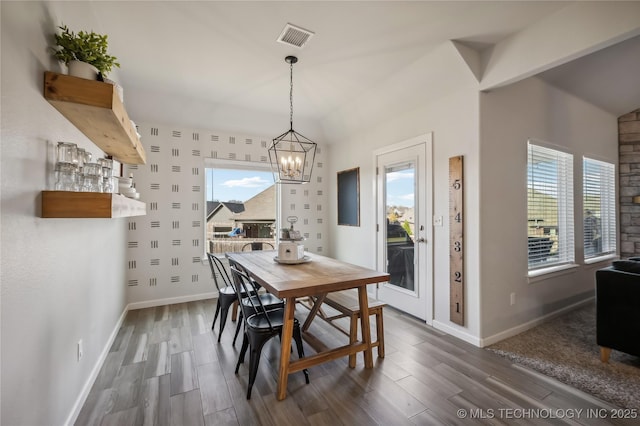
(608, 78)
(226, 52)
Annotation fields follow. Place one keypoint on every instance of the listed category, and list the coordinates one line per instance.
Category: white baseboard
(456, 332)
(171, 301)
(84, 393)
(530, 324)
(482, 342)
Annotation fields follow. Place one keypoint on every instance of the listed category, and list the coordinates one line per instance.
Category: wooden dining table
(315, 277)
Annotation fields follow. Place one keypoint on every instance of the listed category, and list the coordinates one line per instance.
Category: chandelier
(291, 154)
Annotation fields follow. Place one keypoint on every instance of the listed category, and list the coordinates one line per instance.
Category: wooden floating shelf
(66, 204)
(96, 110)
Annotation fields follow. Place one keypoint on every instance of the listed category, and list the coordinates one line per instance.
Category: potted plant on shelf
(84, 53)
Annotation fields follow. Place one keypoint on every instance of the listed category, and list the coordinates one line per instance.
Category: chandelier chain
(291, 95)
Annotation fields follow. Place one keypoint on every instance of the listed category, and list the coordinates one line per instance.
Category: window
(599, 202)
(550, 226)
(241, 208)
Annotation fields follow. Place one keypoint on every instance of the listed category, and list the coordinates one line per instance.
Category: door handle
(421, 240)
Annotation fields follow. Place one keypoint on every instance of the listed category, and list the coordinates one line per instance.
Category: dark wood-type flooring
(166, 367)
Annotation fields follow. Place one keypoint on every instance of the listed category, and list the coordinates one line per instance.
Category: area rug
(565, 348)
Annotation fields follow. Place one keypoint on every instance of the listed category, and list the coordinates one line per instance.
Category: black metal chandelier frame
(291, 154)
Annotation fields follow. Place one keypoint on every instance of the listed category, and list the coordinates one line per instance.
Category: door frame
(427, 140)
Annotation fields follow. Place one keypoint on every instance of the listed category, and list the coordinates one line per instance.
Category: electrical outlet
(80, 350)
(513, 299)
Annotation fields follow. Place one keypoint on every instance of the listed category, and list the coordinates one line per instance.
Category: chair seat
(268, 301)
(227, 290)
(261, 321)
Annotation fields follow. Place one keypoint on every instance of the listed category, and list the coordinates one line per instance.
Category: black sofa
(618, 308)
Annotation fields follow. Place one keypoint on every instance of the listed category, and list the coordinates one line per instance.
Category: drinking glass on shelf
(91, 183)
(87, 157)
(81, 156)
(66, 177)
(107, 183)
(106, 172)
(105, 162)
(67, 152)
(92, 169)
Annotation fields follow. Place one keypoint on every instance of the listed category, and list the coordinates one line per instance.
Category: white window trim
(598, 259)
(551, 272)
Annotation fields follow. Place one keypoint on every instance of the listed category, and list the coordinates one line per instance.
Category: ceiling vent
(294, 36)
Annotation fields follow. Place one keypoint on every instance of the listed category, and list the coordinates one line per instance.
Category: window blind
(550, 227)
(599, 189)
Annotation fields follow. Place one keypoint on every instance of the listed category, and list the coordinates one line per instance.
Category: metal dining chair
(260, 325)
(226, 293)
(268, 300)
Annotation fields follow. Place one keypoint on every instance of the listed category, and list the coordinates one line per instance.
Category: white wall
(172, 183)
(509, 116)
(448, 107)
(62, 279)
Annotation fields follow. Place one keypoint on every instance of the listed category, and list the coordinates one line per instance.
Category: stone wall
(629, 143)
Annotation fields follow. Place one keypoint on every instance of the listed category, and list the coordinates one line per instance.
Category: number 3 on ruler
(456, 242)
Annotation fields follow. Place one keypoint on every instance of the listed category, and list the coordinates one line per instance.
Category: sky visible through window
(400, 188)
(236, 185)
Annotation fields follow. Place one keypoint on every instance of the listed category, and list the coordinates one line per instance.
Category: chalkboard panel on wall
(349, 197)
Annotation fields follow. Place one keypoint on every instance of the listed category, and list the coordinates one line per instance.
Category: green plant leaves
(86, 47)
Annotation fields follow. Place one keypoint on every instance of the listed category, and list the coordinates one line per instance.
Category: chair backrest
(257, 245)
(255, 286)
(243, 283)
(219, 272)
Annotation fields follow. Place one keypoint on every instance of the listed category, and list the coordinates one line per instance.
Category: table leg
(317, 304)
(364, 323)
(285, 349)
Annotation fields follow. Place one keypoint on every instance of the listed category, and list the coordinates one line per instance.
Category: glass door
(403, 206)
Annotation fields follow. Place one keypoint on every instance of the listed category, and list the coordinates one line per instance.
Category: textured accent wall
(629, 143)
(165, 248)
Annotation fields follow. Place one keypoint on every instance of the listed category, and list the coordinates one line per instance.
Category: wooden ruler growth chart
(456, 242)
